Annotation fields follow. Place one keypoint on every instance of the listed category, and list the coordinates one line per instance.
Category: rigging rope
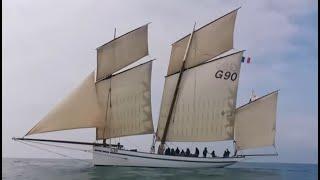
(44, 149)
(65, 147)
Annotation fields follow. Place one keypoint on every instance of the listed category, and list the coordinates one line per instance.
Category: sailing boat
(198, 102)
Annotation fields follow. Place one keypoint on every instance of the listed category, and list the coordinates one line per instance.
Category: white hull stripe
(165, 158)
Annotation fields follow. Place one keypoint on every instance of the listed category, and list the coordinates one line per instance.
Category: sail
(130, 110)
(204, 109)
(121, 52)
(80, 109)
(207, 42)
(255, 123)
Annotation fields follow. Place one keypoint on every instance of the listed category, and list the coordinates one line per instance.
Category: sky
(49, 48)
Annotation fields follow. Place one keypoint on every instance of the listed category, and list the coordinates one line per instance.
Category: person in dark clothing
(182, 153)
(172, 152)
(177, 151)
(226, 153)
(188, 152)
(167, 152)
(205, 151)
(196, 154)
(213, 153)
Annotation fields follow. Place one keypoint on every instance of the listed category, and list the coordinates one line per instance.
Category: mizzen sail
(204, 109)
(255, 123)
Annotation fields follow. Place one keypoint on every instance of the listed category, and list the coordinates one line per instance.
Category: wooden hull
(102, 157)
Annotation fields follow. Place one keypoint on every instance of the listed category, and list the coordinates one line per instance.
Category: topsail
(207, 42)
(121, 52)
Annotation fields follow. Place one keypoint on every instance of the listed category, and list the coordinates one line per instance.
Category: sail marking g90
(220, 74)
(205, 106)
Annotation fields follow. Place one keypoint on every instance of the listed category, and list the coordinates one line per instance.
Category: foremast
(127, 111)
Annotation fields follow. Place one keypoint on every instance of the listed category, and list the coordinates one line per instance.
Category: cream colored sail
(121, 52)
(80, 109)
(255, 123)
(204, 109)
(207, 42)
(130, 110)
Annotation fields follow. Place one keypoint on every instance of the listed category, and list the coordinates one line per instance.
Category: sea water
(68, 169)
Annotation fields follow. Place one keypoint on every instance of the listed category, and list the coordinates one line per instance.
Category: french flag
(248, 59)
(242, 60)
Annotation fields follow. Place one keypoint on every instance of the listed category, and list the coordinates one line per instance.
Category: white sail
(78, 110)
(121, 52)
(207, 42)
(130, 110)
(255, 123)
(204, 109)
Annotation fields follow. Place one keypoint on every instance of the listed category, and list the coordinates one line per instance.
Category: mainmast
(164, 136)
(200, 114)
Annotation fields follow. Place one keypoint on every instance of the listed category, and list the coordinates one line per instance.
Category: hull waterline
(103, 157)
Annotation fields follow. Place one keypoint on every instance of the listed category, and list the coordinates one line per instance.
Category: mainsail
(255, 123)
(204, 110)
(115, 104)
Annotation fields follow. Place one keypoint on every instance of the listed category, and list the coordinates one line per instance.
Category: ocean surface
(66, 169)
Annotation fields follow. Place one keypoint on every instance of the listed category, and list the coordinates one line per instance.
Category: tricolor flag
(248, 60)
(243, 59)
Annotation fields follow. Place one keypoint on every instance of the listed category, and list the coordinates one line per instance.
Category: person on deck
(205, 151)
(188, 152)
(182, 153)
(167, 152)
(213, 154)
(226, 153)
(177, 151)
(172, 152)
(196, 154)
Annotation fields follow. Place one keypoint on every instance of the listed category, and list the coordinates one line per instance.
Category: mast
(164, 136)
(109, 95)
(88, 106)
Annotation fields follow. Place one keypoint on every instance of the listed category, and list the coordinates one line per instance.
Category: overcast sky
(49, 48)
